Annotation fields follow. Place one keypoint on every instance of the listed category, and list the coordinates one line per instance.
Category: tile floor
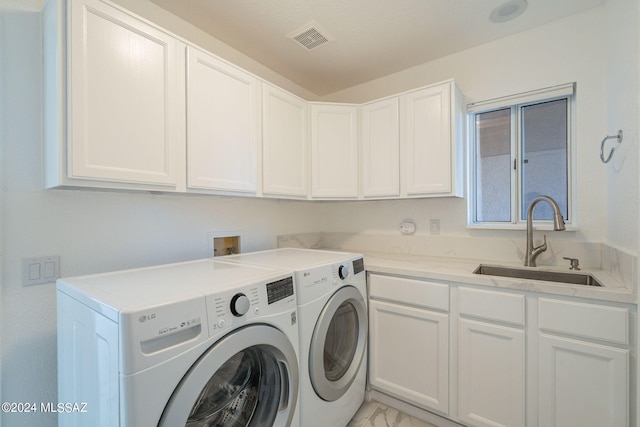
(374, 414)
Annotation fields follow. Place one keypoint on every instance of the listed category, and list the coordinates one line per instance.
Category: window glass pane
(544, 147)
(493, 168)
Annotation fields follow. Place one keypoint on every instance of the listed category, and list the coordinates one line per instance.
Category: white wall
(572, 49)
(622, 89)
(90, 231)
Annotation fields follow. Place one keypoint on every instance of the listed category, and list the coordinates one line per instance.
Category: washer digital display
(279, 289)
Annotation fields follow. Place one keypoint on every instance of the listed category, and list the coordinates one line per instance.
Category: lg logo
(146, 317)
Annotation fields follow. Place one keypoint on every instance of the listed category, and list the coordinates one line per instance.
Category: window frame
(515, 104)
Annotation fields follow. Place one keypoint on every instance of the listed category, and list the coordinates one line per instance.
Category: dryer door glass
(341, 342)
(338, 343)
(246, 388)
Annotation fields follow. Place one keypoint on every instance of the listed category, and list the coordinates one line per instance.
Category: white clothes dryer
(332, 313)
(200, 343)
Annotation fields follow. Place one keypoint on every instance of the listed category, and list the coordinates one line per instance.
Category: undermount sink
(533, 274)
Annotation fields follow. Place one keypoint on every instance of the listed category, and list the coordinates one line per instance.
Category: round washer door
(338, 345)
(248, 378)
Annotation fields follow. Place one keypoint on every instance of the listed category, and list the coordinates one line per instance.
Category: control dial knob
(239, 305)
(343, 272)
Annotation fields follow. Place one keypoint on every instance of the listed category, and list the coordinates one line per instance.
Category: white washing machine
(332, 313)
(201, 343)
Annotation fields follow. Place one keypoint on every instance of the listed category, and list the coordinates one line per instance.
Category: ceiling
(372, 38)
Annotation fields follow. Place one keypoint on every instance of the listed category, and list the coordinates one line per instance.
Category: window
(520, 149)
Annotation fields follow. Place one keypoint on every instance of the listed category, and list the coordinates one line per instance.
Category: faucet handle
(543, 246)
(575, 263)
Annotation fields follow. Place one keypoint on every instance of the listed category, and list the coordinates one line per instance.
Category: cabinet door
(222, 125)
(284, 143)
(491, 375)
(126, 88)
(334, 151)
(427, 141)
(409, 354)
(380, 149)
(582, 384)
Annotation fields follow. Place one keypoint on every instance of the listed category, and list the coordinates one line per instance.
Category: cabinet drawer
(417, 293)
(585, 320)
(492, 305)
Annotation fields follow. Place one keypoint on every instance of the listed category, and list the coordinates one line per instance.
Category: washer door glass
(248, 378)
(338, 344)
(232, 395)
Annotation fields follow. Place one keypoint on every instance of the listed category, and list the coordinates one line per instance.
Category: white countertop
(461, 271)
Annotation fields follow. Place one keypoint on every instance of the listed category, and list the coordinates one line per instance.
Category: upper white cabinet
(431, 131)
(223, 125)
(380, 159)
(334, 151)
(114, 99)
(130, 106)
(285, 144)
(412, 144)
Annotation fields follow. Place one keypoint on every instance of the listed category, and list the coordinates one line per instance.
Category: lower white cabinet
(487, 357)
(491, 357)
(414, 370)
(409, 346)
(491, 374)
(583, 381)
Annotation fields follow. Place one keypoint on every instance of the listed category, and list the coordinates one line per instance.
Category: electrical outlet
(37, 271)
(434, 226)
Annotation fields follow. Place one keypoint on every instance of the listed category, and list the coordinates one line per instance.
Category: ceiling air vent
(311, 36)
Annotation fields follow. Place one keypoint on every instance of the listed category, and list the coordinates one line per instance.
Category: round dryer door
(338, 344)
(248, 378)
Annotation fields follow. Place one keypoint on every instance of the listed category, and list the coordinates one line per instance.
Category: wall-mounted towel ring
(618, 137)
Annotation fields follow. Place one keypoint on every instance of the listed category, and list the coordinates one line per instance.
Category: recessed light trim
(508, 11)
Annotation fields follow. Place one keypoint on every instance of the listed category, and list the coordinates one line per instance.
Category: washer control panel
(239, 306)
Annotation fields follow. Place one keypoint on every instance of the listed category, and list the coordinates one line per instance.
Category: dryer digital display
(280, 289)
(358, 265)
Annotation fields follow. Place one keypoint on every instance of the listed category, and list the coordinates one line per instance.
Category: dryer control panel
(318, 281)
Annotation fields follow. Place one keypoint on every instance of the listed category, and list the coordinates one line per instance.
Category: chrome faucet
(558, 225)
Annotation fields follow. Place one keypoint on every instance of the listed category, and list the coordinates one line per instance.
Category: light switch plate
(37, 271)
